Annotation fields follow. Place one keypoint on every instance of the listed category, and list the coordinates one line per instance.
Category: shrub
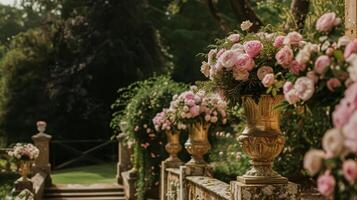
(142, 100)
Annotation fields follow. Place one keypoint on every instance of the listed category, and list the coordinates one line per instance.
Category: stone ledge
(241, 191)
(211, 185)
(175, 171)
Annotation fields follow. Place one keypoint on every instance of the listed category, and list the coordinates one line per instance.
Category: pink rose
(284, 56)
(291, 96)
(350, 133)
(349, 169)
(326, 184)
(295, 67)
(244, 62)
(212, 57)
(305, 88)
(313, 161)
(347, 106)
(329, 51)
(240, 75)
(278, 42)
(205, 69)
(268, 80)
(293, 38)
(262, 71)
(350, 49)
(253, 48)
(228, 59)
(321, 64)
(234, 38)
(343, 41)
(287, 86)
(333, 83)
(311, 75)
(220, 52)
(332, 142)
(326, 22)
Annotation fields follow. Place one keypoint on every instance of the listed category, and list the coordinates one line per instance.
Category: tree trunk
(212, 9)
(299, 10)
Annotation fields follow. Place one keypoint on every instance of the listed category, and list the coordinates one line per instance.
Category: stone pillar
(242, 191)
(123, 157)
(351, 18)
(42, 142)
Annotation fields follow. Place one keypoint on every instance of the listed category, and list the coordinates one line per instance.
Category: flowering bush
(319, 72)
(191, 107)
(24, 152)
(137, 105)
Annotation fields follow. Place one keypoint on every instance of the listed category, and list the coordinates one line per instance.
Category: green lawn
(86, 175)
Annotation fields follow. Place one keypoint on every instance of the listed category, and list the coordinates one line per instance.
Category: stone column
(123, 157)
(42, 142)
(351, 18)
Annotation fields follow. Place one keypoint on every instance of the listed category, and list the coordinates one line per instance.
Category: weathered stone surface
(206, 188)
(241, 191)
(129, 179)
(173, 184)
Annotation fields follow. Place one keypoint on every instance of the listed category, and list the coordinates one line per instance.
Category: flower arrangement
(251, 63)
(24, 152)
(190, 107)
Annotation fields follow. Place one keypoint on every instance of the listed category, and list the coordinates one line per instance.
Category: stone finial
(41, 126)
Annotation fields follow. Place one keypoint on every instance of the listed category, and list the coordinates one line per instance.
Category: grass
(86, 175)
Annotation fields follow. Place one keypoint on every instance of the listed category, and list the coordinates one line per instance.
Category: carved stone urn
(262, 139)
(197, 144)
(173, 146)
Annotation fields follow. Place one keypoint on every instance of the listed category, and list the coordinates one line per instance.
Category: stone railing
(41, 169)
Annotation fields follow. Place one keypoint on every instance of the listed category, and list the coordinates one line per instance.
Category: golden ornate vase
(262, 139)
(25, 167)
(197, 144)
(173, 146)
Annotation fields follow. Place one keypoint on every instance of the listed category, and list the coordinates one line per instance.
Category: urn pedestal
(262, 139)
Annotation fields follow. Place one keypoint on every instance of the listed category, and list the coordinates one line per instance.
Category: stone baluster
(351, 18)
(42, 142)
(123, 157)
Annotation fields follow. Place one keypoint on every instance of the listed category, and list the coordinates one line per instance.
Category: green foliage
(304, 130)
(226, 157)
(142, 101)
(23, 87)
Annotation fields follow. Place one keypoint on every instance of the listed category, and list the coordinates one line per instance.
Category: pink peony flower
(234, 38)
(305, 88)
(332, 142)
(244, 62)
(346, 107)
(279, 41)
(284, 56)
(291, 96)
(343, 41)
(350, 49)
(311, 75)
(287, 86)
(293, 38)
(333, 83)
(228, 59)
(205, 69)
(350, 133)
(246, 25)
(262, 71)
(195, 111)
(313, 161)
(326, 184)
(240, 75)
(326, 22)
(349, 169)
(321, 64)
(268, 80)
(253, 48)
(295, 67)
